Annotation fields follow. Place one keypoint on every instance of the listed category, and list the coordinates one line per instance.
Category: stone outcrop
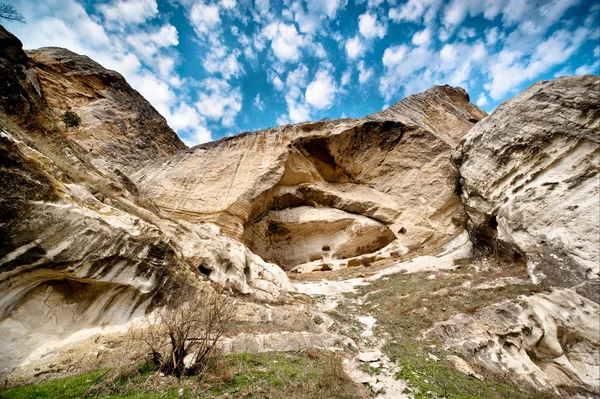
(120, 129)
(549, 340)
(530, 182)
(327, 190)
(81, 250)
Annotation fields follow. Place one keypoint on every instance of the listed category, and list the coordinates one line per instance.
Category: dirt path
(370, 366)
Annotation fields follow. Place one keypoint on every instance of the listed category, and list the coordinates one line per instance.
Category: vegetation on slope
(407, 304)
(292, 375)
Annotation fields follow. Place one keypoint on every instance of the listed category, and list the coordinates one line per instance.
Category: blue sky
(219, 67)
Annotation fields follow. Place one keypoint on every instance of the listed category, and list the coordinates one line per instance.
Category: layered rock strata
(530, 182)
(327, 190)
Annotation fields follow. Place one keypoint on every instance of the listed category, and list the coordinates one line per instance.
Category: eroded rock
(530, 181)
(550, 341)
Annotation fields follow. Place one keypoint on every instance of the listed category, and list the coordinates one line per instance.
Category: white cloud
(125, 12)
(414, 69)
(587, 69)
(219, 59)
(275, 80)
(148, 44)
(466, 33)
(320, 93)
(369, 27)
(190, 125)
(393, 55)
(310, 14)
(511, 68)
(364, 73)
(258, 103)
(482, 100)
(285, 41)
(295, 83)
(491, 36)
(422, 38)
(415, 11)
(204, 18)
(228, 4)
(346, 76)
(219, 101)
(355, 48)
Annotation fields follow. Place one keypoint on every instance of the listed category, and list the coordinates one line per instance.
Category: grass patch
(307, 374)
(407, 304)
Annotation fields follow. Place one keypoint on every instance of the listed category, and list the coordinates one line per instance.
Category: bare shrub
(183, 341)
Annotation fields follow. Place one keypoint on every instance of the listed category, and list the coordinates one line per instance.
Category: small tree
(192, 329)
(71, 119)
(9, 13)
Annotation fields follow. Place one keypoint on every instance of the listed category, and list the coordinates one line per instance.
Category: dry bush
(192, 331)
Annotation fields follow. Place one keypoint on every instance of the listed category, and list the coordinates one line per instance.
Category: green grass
(405, 305)
(307, 374)
(65, 388)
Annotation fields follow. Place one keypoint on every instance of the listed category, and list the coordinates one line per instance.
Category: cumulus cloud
(364, 73)
(346, 76)
(310, 14)
(258, 103)
(422, 38)
(190, 125)
(219, 101)
(320, 93)
(355, 48)
(510, 68)
(415, 11)
(123, 12)
(370, 27)
(204, 18)
(482, 100)
(219, 59)
(285, 41)
(415, 69)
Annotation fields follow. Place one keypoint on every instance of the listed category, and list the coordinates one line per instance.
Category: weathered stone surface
(551, 341)
(119, 129)
(391, 168)
(530, 181)
(81, 251)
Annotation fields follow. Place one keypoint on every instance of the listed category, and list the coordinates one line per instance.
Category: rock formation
(120, 129)
(104, 222)
(80, 249)
(328, 190)
(549, 340)
(530, 181)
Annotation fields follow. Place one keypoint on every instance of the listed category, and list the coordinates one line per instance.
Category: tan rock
(530, 181)
(119, 129)
(391, 168)
(551, 341)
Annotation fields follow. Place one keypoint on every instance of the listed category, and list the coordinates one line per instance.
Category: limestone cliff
(530, 181)
(327, 190)
(120, 129)
(80, 248)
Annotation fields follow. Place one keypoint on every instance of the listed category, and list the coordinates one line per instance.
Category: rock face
(81, 250)
(120, 129)
(530, 181)
(326, 190)
(549, 340)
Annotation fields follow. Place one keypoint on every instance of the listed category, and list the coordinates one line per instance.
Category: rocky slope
(120, 129)
(530, 182)
(80, 248)
(329, 190)
(100, 224)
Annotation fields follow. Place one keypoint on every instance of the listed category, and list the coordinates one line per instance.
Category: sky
(215, 68)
